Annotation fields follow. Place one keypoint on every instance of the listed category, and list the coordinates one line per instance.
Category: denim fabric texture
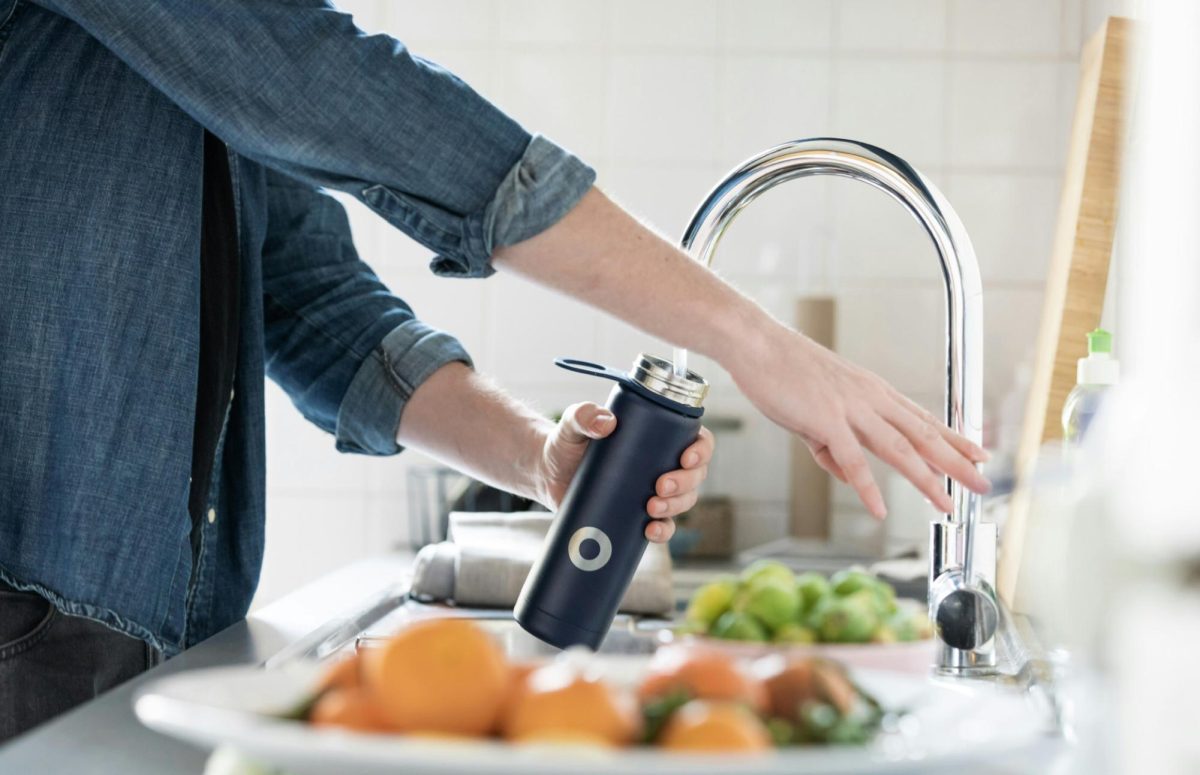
(49, 663)
(102, 111)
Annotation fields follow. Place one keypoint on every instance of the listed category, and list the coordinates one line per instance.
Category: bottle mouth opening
(658, 375)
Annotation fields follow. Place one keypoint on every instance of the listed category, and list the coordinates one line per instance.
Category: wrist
(532, 467)
(745, 337)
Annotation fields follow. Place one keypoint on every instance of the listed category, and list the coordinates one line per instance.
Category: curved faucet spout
(960, 273)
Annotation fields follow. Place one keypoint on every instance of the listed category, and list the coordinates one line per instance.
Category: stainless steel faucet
(962, 601)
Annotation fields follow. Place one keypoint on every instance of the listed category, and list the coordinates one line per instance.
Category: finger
(825, 460)
(848, 455)
(581, 422)
(965, 446)
(671, 507)
(890, 446)
(700, 451)
(681, 481)
(660, 530)
(937, 451)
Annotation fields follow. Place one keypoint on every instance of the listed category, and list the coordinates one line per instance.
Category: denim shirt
(103, 104)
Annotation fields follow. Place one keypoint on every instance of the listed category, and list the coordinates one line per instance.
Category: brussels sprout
(795, 633)
(770, 600)
(852, 619)
(885, 634)
(854, 580)
(813, 587)
(850, 580)
(734, 625)
(910, 624)
(765, 569)
(711, 600)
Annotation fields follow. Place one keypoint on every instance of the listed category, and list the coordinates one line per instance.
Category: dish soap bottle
(1095, 374)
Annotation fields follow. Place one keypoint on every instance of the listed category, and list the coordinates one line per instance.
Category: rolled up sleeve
(370, 411)
(537, 191)
(348, 352)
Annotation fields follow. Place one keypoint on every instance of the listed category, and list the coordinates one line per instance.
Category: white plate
(950, 723)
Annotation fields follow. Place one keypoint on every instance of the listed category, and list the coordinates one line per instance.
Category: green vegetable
(795, 633)
(884, 634)
(906, 625)
(658, 711)
(735, 625)
(816, 721)
(783, 732)
(855, 580)
(850, 580)
(772, 601)
(711, 600)
(852, 619)
(813, 587)
(765, 569)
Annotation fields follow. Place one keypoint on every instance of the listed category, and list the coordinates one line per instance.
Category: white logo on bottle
(589, 534)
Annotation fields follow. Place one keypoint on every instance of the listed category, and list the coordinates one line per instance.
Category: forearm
(462, 419)
(602, 255)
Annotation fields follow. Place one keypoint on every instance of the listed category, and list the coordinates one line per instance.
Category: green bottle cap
(1099, 341)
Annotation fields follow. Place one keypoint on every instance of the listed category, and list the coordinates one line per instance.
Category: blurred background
(662, 97)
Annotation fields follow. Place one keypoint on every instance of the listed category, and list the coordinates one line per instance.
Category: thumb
(584, 421)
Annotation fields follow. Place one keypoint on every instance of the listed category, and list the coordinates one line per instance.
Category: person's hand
(675, 492)
(839, 408)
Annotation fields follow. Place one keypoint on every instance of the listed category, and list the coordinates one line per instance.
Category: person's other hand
(839, 408)
(675, 491)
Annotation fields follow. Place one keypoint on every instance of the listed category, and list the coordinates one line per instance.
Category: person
(166, 240)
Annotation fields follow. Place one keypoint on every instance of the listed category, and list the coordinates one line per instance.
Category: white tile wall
(662, 96)
(892, 25)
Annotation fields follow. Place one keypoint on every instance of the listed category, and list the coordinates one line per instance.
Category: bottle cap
(1099, 367)
(1099, 341)
(658, 376)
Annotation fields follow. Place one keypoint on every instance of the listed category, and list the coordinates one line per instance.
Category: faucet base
(960, 662)
(965, 612)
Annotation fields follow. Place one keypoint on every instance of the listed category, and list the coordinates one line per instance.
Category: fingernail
(691, 459)
(604, 418)
(982, 455)
(669, 486)
(660, 507)
(655, 531)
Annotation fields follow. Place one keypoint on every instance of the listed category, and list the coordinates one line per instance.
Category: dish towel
(488, 555)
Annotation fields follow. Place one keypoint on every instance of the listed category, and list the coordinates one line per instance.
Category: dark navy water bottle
(599, 535)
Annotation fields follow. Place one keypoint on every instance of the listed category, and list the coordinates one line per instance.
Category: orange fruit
(518, 680)
(439, 675)
(348, 708)
(705, 674)
(560, 704)
(342, 674)
(701, 725)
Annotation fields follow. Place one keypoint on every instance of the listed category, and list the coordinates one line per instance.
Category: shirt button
(212, 516)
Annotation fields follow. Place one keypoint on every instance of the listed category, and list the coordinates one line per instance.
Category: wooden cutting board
(1078, 275)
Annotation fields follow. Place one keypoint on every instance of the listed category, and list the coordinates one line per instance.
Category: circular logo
(602, 555)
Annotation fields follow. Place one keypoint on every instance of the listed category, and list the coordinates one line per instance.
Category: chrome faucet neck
(960, 273)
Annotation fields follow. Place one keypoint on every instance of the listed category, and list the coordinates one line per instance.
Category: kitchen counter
(104, 736)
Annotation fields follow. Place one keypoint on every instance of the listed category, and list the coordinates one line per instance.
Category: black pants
(50, 662)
